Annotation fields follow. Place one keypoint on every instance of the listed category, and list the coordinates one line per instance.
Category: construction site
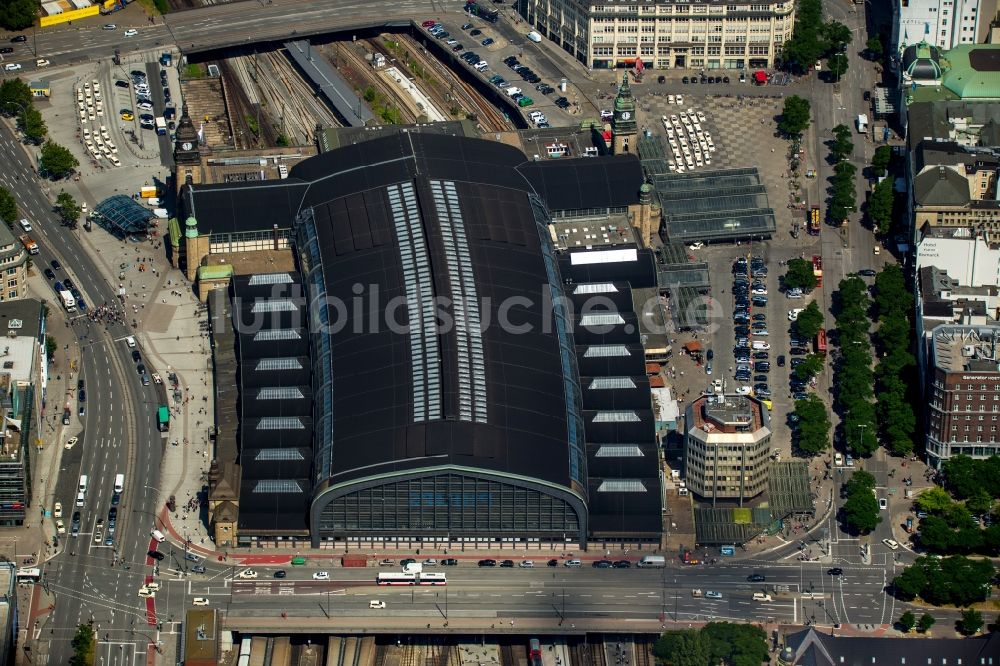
(262, 100)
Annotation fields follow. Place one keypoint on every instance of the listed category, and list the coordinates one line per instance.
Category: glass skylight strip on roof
(595, 288)
(280, 423)
(616, 417)
(274, 305)
(599, 351)
(279, 393)
(277, 486)
(471, 302)
(604, 319)
(618, 451)
(611, 383)
(621, 486)
(269, 278)
(425, 281)
(277, 334)
(279, 364)
(469, 342)
(418, 283)
(279, 454)
(418, 368)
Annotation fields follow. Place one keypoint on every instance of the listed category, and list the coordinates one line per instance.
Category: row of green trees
(715, 643)
(896, 375)
(956, 580)
(883, 197)
(861, 511)
(854, 377)
(83, 646)
(812, 39)
(812, 425)
(55, 160)
(907, 621)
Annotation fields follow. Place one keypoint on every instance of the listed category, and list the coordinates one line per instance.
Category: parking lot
(538, 84)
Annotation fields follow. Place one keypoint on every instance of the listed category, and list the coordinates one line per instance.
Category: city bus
(29, 575)
(417, 578)
(820, 343)
(163, 418)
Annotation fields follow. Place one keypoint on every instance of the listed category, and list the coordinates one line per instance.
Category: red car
(427, 24)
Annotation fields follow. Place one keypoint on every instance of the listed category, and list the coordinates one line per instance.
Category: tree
(57, 162)
(800, 275)
(838, 36)
(934, 500)
(8, 207)
(837, 64)
(813, 428)
(881, 160)
(50, 345)
(68, 209)
(810, 367)
(874, 48)
(735, 644)
(18, 14)
(83, 646)
(842, 146)
(979, 502)
(33, 125)
(954, 580)
(907, 621)
(880, 206)
(861, 510)
(809, 321)
(961, 476)
(682, 648)
(926, 622)
(15, 96)
(794, 116)
(971, 622)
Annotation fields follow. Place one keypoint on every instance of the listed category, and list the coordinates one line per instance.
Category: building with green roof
(968, 72)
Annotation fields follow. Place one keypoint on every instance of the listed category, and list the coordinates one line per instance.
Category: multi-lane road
(118, 434)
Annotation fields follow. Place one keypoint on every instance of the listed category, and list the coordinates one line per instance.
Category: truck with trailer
(29, 244)
(67, 300)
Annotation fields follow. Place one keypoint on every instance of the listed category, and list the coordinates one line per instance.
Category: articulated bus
(412, 579)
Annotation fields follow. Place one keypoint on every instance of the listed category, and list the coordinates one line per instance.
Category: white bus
(412, 579)
(29, 575)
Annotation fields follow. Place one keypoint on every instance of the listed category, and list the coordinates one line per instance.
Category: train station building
(408, 333)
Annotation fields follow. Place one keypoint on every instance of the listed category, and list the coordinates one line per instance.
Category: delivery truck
(161, 126)
(652, 562)
(29, 244)
(862, 123)
(67, 300)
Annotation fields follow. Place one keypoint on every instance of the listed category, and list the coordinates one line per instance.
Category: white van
(534, 36)
(83, 483)
(761, 345)
(513, 90)
(119, 482)
(25, 224)
(80, 497)
(760, 596)
(158, 536)
(130, 341)
(652, 562)
(573, 563)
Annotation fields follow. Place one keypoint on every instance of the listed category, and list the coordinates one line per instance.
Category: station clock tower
(624, 127)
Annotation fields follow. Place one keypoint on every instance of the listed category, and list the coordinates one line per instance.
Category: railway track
(643, 653)
(243, 112)
(489, 118)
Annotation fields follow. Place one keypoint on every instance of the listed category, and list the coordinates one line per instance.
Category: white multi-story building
(666, 34)
(941, 23)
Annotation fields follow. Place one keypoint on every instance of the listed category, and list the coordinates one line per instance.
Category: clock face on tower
(186, 145)
(626, 115)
